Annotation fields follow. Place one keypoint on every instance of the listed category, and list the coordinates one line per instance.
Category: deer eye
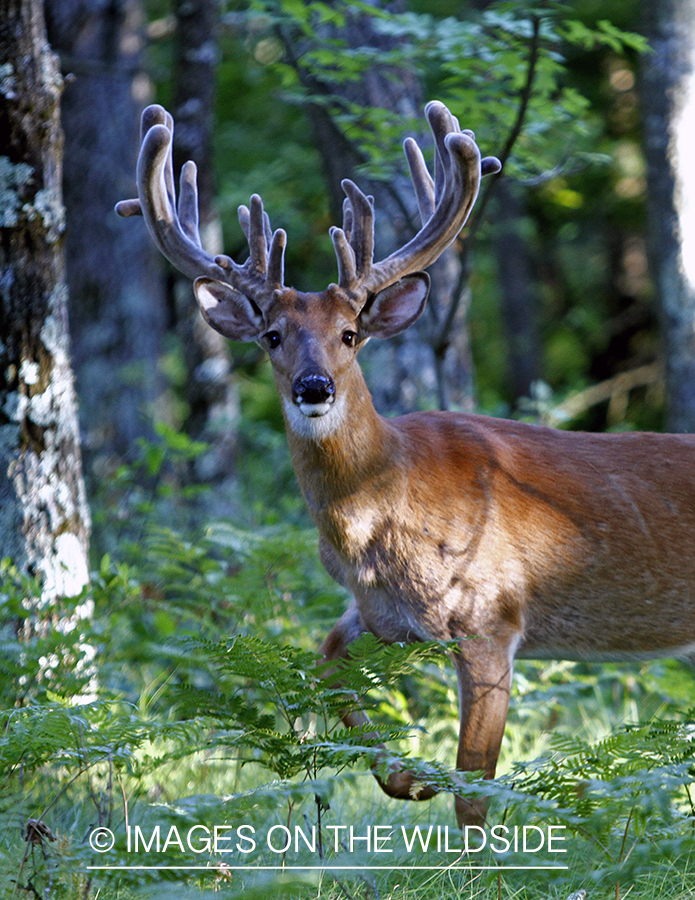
(349, 338)
(273, 339)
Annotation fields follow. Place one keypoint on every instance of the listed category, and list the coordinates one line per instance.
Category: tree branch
(525, 100)
(441, 341)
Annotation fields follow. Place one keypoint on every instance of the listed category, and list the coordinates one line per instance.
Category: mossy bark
(44, 518)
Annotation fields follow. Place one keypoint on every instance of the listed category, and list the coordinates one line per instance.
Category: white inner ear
(227, 310)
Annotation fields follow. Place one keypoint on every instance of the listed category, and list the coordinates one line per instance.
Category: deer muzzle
(313, 394)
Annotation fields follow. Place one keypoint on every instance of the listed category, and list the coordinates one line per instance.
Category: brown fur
(542, 543)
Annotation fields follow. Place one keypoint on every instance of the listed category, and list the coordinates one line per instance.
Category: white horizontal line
(224, 867)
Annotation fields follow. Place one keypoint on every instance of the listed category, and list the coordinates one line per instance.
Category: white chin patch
(314, 420)
(313, 410)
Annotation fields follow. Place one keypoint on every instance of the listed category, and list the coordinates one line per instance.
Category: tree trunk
(117, 298)
(518, 297)
(44, 520)
(212, 398)
(668, 99)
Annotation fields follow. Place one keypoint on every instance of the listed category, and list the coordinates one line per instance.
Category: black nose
(313, 389)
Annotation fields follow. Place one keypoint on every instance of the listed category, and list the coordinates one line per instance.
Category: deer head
(312, 338)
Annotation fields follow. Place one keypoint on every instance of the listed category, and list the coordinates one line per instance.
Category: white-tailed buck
(443, 525)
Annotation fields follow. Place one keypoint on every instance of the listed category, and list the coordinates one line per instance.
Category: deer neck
(348, 465)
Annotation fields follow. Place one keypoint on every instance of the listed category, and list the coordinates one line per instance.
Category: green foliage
(501, 71)
(211, 710)
(43, 654)
(628, 795)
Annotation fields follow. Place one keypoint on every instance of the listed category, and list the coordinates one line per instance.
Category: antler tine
(188, 201)
(354, 242)
(176, 232)
(154, 114)
(253, 223)
(266, 248)
(440, 125)
(421, 178)
(362, 231)
(444, 203)
(347, 218)
(276, 260)
(169, 159)
(345, 255)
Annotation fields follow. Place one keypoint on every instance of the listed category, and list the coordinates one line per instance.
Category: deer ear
(396, 307)
(227, 310)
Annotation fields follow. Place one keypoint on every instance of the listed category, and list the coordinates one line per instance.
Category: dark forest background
(157, 561)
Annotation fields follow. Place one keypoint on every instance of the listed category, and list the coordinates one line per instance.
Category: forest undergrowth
(181, 742)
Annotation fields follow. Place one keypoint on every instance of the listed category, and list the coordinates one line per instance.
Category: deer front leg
(400, 784)
(484, 667)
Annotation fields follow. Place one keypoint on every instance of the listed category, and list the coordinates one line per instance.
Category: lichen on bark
(44, 518)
